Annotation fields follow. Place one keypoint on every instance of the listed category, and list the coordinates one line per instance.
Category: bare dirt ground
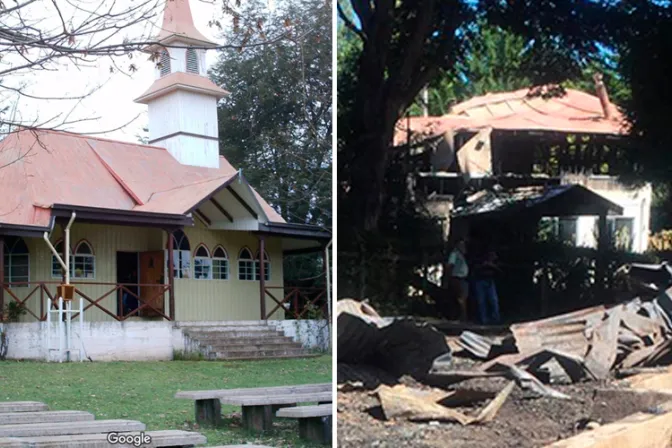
(523, 421)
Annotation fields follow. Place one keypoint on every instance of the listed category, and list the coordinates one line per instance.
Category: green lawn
(144, 391)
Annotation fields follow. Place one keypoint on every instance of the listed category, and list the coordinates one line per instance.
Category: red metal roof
(40, 169)
(178, 21)
(177, 80)
(574, 112)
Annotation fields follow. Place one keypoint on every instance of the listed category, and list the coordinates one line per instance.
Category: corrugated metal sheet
(565, 332)
(575, 112)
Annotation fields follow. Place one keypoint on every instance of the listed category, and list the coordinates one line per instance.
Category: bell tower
(182, 101)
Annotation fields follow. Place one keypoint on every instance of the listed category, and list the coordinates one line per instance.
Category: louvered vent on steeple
(192, 61)
(165, 63)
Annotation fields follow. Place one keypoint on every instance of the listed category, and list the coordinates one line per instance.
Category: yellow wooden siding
(231, 299)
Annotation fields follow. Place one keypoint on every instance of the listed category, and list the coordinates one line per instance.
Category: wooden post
(208, 412)
(258, 418)
(171, 277)
(262, 275)
(2, 276)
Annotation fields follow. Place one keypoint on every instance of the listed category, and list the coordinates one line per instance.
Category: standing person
(457, 271)
(485, 289)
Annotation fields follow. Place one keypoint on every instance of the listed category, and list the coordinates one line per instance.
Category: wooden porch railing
(41, 290)
(298, 303)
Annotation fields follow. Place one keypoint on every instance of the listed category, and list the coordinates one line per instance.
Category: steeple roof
(178, 24)
(183, 81)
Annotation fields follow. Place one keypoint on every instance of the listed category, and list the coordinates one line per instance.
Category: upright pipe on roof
(602, 94)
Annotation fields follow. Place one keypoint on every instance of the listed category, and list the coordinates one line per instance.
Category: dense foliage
(276, 123)
(388, 51)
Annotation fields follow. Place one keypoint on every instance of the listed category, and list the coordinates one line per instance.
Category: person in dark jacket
(485, 290)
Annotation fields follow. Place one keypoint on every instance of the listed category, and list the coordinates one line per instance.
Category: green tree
(406, 44)
(276, 123)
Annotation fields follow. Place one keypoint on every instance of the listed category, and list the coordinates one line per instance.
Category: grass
(144, 391)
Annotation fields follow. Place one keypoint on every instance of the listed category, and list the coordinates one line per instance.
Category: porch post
(171, 278)
(2, 276)
(602, 248)
(262, 275)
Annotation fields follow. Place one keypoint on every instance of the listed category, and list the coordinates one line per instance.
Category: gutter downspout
(66, 266)
(328, 273)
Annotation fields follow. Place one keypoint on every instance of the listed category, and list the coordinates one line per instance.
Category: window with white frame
(17, 261)
(57, 270)
(164, 63)
(622, 232)
(84, 261)
(245, 265)
(267, 267)
(181, 255)
(220, 264)
(202, 264)
(192, 61)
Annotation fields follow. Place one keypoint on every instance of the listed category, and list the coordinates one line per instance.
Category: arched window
(84, 261)
(164, 63)
(220, 264)
(245, 265)
(57, 270)
(181, 255)
(202, 263)
(17, 261)
(267, 267)
(192, 61)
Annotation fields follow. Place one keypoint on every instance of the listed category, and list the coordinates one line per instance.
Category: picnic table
(257, 404)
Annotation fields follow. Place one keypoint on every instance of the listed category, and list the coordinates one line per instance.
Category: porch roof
(48, 173)
(554, 200)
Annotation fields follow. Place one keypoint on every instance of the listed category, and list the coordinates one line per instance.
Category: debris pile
(437, 405)
(585, 345)
(588, 344)
(401, 346)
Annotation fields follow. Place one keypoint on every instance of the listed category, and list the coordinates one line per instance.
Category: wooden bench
(258, 404)
(22, 406)
(162, 438)
(314, 421)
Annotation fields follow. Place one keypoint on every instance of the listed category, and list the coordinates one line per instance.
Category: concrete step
(230, 329)
(249, 341)
(23, 418)
(159, 439)
(69, 428)
(200, 335)
(223, 324)
(259, 354)
(257, 358)
(261, 347)
(22, 406)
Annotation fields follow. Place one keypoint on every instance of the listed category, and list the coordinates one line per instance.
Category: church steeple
(179, 24)
(182, 100)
